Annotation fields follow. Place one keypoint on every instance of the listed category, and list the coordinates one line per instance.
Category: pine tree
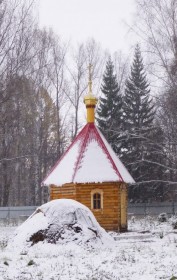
(138, 125)
(109, 112)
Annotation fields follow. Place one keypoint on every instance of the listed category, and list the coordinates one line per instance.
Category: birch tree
(82, 56)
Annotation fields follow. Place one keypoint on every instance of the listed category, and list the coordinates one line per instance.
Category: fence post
(8, 215)
(145, 209)
(173, 207)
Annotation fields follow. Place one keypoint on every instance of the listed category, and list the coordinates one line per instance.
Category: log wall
(109, 217)
(66, 191)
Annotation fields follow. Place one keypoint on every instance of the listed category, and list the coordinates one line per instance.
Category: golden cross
(90, 73)
(90, 78)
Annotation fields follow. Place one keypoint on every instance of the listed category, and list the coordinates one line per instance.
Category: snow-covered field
(147, 251)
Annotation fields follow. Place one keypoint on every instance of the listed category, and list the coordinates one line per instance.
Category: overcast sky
(77, 20)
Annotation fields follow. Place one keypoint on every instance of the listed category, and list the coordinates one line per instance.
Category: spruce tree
(138, 125)
(109, 111)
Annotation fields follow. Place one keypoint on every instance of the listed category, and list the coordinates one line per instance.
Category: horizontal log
(110, 227)
(110, 219)
(65, 188)
(61, 191)
(59, 194)
(71, 191)
(109, 224)
(63, 196)
(92, 186)
(106, 192)
(88, 198)
(106, 211)
(88, 195)
(89, 192)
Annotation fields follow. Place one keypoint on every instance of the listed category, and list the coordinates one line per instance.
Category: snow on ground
(148, 252)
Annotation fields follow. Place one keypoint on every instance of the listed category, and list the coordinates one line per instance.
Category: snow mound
(59, 222)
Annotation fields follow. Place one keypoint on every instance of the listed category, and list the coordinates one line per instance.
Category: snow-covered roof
(89, 159)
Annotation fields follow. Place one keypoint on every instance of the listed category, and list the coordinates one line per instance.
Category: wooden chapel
(91, 173)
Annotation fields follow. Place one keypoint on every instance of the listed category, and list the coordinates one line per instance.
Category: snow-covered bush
(174, 222)
(175, 225)
(173, 278)
(3, 243)
(163, 217)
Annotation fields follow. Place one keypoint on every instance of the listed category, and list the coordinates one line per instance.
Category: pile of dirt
(61, 221)
(66, 233)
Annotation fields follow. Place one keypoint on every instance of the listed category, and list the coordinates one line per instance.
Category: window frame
(100, 192)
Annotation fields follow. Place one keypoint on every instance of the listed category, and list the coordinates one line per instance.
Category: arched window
(96, 199)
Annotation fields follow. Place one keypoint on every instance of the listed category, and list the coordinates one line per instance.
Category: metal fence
(152, 209)
(138, 209)
(21, 212)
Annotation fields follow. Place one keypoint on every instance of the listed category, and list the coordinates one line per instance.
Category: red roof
(88, 159)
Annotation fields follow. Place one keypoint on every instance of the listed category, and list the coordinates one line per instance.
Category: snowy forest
(44, 79)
